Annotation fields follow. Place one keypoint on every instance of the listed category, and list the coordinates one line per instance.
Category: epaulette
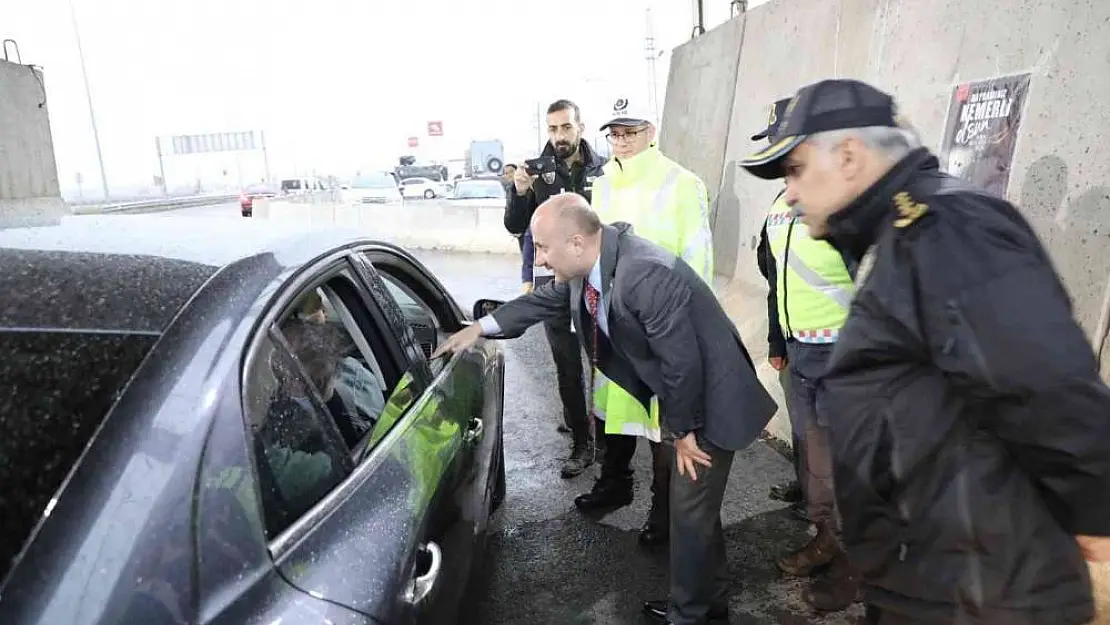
(909, 210)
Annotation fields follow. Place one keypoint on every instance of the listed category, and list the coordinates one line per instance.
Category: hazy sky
(335, 84)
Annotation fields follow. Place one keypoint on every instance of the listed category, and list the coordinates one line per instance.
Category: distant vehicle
(378, 188)
(237, 425)
(485, 157)
(437, 173)
(478, 193)
(251, 193)
(422, 187)
(301, 186)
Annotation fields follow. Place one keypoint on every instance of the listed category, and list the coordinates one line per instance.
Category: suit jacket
(666, 323)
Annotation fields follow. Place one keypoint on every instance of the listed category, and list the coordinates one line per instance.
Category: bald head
(566, 233)
(568, 211)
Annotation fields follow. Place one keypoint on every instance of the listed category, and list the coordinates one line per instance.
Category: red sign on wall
(414, 141)
(435, 129)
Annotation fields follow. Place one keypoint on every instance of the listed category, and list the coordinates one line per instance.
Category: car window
(316, 392)
(427, 330)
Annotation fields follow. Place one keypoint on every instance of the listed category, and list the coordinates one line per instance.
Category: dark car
(236, 425)
(252, 193)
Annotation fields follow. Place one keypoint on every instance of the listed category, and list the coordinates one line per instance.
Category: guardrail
(154, 205)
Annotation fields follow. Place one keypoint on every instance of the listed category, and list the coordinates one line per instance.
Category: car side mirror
(484, 307)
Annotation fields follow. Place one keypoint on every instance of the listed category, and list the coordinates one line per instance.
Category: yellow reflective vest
(669, 206)
(813, 286)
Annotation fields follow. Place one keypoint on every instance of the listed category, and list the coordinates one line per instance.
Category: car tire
(495, 165)
(247, 213)
(429, 194)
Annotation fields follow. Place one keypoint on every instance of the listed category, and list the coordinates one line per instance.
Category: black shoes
(606, 495)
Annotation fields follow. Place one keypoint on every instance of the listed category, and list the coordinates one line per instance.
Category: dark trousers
(617, 465)
(807, 362)
(699, 568)
(565, 351)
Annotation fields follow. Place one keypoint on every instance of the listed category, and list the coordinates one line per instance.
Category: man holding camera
(567, 165)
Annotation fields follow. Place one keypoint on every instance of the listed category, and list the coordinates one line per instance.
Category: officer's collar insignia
(908, 210)
(549, 177)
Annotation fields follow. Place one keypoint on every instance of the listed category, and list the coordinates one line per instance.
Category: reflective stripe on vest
(814, 287)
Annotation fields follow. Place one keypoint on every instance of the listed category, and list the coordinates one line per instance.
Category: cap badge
(786, 115)
(620, 107)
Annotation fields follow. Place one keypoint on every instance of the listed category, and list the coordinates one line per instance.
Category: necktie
(593, 298)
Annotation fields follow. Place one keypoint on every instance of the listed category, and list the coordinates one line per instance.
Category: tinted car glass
(55, 390)
(298, 452)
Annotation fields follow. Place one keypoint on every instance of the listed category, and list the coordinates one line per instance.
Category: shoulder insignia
(909, 211)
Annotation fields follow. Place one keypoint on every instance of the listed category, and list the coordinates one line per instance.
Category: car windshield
(290, 185)
(473, 189)
(56, 389)
(373, 182)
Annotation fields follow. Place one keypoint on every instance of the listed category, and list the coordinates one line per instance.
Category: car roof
(133, 273)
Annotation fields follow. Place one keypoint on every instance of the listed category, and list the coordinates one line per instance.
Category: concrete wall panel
(919, 51)
(28, 172)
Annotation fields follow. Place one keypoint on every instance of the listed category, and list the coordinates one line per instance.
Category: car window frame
(288, 294)
(386, 259)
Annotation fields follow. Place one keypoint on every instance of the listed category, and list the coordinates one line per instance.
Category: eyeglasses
(624, 136)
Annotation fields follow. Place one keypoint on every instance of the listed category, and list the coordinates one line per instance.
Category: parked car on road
(422, 187)
(372, 189)
(236, 425)
(478, 192)
(251, 193)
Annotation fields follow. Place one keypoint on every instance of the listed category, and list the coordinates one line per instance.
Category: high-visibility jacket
(669, 206)
(814, 288)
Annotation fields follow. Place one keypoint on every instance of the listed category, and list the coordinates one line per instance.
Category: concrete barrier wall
(28, 173)
(918, 51)
(430, 225)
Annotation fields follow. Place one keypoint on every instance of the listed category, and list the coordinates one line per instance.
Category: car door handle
(422, 585)
(475, 431)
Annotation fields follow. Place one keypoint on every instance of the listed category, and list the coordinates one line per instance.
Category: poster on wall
(979, 138)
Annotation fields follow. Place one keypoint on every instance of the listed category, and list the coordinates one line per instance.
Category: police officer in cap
(970, 428)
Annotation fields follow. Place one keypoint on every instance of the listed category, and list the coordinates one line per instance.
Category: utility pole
(539, 128)
(88, 96)
(161, 165)
(651, 55)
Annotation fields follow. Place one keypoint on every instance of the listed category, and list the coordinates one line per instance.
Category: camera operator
(567, 164)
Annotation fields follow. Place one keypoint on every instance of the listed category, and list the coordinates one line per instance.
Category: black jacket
(970, 429)
(579, 179)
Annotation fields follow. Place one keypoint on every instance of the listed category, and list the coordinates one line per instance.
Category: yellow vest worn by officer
(669, 206)
(813, 285)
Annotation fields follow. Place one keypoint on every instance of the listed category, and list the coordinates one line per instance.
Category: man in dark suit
(651, 324)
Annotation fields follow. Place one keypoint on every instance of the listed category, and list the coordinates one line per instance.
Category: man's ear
(852, 157)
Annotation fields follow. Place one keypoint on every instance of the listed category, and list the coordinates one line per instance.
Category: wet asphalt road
(547, 563)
